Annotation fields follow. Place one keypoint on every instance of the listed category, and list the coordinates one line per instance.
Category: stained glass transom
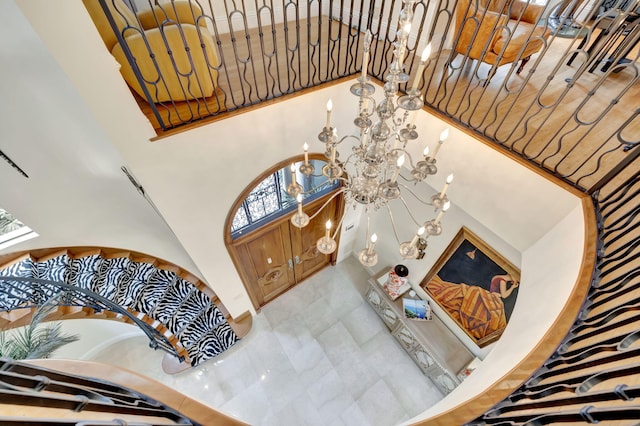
(264, 199)
(269, 199)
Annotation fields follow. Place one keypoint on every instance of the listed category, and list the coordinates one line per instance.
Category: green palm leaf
(35, 341)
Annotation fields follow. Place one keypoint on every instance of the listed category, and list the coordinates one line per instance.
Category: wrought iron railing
(573, 120)
(573, 110)
(94, 402)
(30, 293)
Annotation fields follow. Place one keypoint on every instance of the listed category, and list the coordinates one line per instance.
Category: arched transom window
(269, 199)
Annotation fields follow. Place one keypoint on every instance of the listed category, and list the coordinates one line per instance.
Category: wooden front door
(307, 258)
(266, 258)
(278, 256)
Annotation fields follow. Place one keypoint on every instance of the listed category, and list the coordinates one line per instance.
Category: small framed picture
(417, 309)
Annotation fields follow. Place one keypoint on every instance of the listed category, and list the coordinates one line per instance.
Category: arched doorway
(271, 255)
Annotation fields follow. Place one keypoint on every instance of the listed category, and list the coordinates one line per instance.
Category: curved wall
(541, 298)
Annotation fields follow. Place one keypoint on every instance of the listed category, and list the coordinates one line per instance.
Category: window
(12, 231)
(269, 199)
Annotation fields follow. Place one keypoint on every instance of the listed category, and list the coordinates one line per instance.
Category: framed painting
(475, 285)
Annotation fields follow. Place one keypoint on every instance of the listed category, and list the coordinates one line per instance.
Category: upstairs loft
(554, 86)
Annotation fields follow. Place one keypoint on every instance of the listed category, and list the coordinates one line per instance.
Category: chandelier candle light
(370, 173)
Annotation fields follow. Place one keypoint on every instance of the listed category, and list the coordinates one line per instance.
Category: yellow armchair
(170, 44)
(499, 32)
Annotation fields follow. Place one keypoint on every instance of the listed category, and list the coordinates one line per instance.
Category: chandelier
(371, 171)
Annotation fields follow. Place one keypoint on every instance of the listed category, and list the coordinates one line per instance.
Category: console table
(434, 348)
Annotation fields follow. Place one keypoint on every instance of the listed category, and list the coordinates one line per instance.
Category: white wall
(95, 335)
(76, 193)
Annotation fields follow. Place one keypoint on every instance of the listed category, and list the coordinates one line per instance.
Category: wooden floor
(566, 118)
(562, 117)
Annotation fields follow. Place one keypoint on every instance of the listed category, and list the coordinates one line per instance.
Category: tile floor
(318, 355)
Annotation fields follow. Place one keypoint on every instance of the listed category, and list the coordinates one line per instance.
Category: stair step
(20, 266)
(241, 325)
(51, 255)
(212, 344)
(162, 294)
(112, 315)
(77, 312)
(83, 272)
(153, 290)
(81, 252)
(142, 258)
(111, 273)
(15, 315)
(52, 268)
(190, 309)
(172, 300)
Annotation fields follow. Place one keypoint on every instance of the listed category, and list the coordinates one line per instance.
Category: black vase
(401, 271)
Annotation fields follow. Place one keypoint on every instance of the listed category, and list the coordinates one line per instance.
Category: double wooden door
(277, 256)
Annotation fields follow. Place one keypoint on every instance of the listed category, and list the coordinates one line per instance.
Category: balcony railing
(33, 395)
(573, 109)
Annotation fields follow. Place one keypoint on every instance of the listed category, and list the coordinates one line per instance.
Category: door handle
(290, 264)
(298, 260)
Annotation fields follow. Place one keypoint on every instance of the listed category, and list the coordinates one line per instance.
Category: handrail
(110, 252)
(165, 395)
(31, 385)
(23, 290)
(174, 302)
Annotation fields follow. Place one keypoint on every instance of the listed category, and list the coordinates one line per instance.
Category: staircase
(171, 300)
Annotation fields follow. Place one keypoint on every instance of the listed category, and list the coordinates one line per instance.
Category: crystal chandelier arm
(399, 120)
(318, 175)
(315, 188)
(340, 191)
(426, 203)
(338, 226)
(407, 156)
(349, 159)
(393, 224)
(409, 211)
(364, 107)
(407, 180)
(356, 137)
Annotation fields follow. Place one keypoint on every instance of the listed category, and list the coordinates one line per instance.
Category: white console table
(434, 348)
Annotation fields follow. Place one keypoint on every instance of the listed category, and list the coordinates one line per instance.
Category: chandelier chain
(370, 172)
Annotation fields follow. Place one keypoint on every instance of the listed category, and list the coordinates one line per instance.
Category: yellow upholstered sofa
(170, 44)
(499, 32)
